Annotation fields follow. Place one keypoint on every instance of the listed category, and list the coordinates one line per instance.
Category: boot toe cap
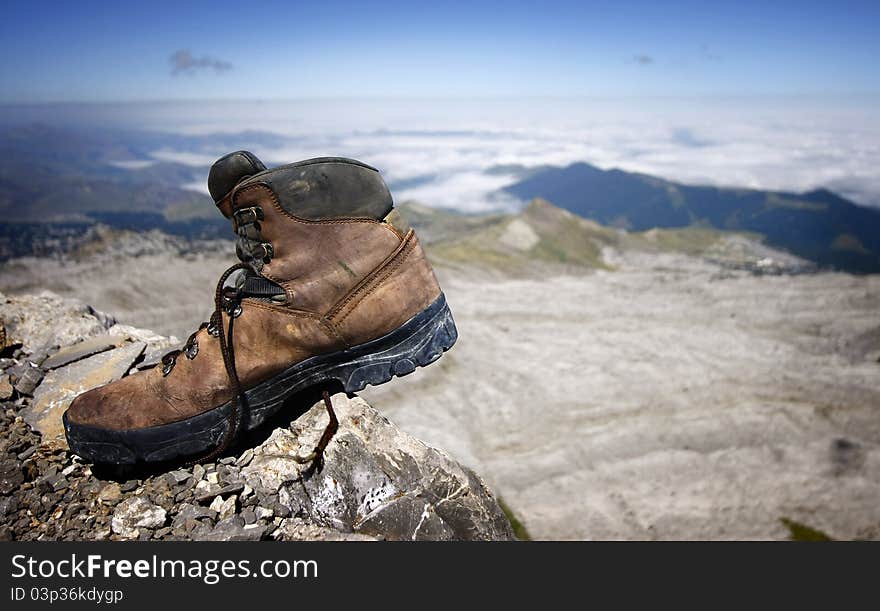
(110, 406)
(87, 409)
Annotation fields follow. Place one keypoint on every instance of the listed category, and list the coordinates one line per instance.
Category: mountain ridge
(818, 225)
(543, 237)
(70, 180)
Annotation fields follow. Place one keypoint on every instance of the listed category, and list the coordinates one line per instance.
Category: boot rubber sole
(418, 342)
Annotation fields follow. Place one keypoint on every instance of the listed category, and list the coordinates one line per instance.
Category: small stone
(27, 453)
(74, 508)
(233, 529)
(180, 476)
(8, 505)
(157, 345)
(228, 474)
(38, 355)
(212, 491)
(129, 485)
(246, 457)
(110, 494)
(225, 508)
(6, 534)
(135, 513)
(162, 532)
(58, 482)
(152, 357)
(213, 478)
(251, 501)
(248, 516)
(79, 351)
(228, 460)
(28, 377)
(264, 513)
(11, 476)
(198, 472)
(6, 388)
(189, 512)
(100, 535)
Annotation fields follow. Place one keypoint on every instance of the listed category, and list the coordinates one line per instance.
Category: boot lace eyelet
(191, 350)
(168, 364)
(247, 216)
(268, 252)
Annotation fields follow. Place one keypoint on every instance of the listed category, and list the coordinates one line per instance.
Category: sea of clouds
(460, 153)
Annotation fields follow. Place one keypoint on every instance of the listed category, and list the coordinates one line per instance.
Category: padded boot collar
(227, 172)
(325, 188)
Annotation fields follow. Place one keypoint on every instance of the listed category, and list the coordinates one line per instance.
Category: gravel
(48, 494)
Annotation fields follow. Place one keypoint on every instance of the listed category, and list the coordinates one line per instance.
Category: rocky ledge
(376, 481)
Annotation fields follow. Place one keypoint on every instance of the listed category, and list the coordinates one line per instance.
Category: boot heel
(418, 346)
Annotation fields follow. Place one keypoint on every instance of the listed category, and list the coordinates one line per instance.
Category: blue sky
(86, 51)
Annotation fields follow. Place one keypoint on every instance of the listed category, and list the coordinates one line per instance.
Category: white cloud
(185, 157)
(776, 144)
(463, 190)
(132, 164)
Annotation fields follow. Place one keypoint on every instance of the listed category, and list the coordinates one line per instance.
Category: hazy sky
(88, 51)
(780, 95)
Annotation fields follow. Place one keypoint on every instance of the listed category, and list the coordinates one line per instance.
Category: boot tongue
(229, 170)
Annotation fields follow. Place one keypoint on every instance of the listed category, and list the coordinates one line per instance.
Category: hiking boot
(332, 287)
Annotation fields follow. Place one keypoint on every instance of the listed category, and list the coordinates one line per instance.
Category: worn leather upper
(267, 340)
(348, 278)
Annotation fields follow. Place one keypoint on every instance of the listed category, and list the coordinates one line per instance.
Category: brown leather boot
(332, 287)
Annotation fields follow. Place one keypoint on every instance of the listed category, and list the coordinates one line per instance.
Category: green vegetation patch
(801, 532)
(689, 240)
(519, 529)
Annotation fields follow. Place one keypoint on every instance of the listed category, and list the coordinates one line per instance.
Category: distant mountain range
(72, 179)
(57, 183)
(819, 225)
(51, 174)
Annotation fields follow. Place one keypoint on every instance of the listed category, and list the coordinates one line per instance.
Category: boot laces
(228, 299)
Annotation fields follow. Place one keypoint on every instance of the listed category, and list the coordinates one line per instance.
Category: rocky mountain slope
(671, 398)
(674, 383)
(376, 482)
(164, 282)
(545, 236)
(819, 226)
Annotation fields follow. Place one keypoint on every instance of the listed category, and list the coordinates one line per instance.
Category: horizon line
(414, 97)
